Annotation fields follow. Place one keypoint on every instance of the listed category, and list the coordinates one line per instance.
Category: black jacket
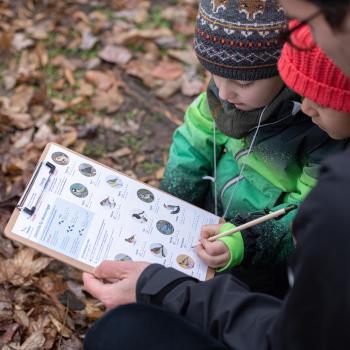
(316, 311)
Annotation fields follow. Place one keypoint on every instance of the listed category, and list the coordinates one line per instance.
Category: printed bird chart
(87, 212)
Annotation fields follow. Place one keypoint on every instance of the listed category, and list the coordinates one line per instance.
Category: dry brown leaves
(100, 77)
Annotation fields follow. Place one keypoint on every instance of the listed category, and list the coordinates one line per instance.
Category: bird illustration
(174, 208)
(79, 191)
(131, 239)
(140, 216)
(159, 250)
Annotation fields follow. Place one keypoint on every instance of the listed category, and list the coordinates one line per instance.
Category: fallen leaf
(6, 308)
(9, 79)
(38, 32)
(110, 100)
(20, 100)
(7, 332)
(63, 62)
(68, 135)
(138, 14)
(6, 39)
(20, 41)
(94, 309)
(76, 101)
(88, 41)
(92, 63)
(136, 34)
(61, 328)
(59, 105)
(184, 28)
(14, 166)
(71, 344)
(22, 318)
(28, 64)
(19, 120)
(191, 86)
(167, 70)
(85, 89)
(22, 138)
(122, 152)
(17, 270)
(142, 69)
(185, 56)
(68, 73)
(42, 54)
(169, 88)
(98, 16)
(43, 136)
(59, 85)
(34, 342)
(159, 173)
(168, 42)
(80, 15)
(130, 126)
(116, 54)
(140, 158)
(100, 79)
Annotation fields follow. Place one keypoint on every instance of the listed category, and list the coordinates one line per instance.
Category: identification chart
(91, 213)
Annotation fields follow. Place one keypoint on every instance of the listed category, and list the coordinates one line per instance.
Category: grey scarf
(236, 123)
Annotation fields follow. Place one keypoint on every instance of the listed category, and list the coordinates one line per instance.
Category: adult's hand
(114, 282)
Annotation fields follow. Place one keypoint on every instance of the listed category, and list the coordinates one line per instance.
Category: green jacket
(281, 170)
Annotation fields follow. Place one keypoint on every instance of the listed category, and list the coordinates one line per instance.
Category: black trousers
(138, 326)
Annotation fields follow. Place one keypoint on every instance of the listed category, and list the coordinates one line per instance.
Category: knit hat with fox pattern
(240, 39)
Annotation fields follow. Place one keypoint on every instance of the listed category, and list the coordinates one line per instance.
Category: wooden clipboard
(49, 168)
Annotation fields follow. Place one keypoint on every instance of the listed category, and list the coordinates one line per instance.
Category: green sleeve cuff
(235, 245)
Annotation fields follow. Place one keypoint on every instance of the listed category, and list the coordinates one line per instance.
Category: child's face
(248, 95)
(330, 40)
(335, 124)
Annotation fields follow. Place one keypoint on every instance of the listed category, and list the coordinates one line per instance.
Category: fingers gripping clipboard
(82, 212)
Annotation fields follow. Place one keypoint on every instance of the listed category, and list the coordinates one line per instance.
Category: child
(246, 133)
(325, 91)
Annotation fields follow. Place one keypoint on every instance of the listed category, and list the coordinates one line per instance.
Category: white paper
(91, 213)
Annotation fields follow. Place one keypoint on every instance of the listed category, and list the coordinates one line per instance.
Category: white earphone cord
(242, 169)
(215, 185)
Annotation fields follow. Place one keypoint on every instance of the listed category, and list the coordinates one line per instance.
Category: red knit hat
(311, 74)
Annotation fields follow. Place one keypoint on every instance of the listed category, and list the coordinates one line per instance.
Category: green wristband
(235, 245)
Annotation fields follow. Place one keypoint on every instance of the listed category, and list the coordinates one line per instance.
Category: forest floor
(108, 79)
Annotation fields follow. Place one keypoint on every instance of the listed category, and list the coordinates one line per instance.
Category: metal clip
(30, 185)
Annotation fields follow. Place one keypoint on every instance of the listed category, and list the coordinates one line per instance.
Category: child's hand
(215, 254)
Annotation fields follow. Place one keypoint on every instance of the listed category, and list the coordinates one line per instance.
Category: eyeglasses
(286, 36)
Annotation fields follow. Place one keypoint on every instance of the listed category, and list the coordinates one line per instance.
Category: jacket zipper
(228, 184)
(241, 153)
(236, 179)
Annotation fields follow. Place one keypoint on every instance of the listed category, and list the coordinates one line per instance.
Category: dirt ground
(108, 79)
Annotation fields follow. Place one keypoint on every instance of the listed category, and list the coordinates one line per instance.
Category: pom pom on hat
(306, 69)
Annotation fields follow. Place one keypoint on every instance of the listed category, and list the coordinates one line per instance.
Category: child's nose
(224, 92)
(308, 108)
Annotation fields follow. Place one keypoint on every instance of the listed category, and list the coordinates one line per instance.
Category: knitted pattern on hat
(239, 39)
(311, 74)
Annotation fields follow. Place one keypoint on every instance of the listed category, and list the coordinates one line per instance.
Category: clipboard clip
(20, 205)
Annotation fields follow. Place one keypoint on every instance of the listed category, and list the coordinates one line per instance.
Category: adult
(330, 24)
(174, 310)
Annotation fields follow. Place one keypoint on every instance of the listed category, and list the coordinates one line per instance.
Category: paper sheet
(92, 213)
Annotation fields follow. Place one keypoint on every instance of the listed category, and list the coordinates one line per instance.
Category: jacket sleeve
(191, 154)
(221, 307)
(320, 267)
(271, 243)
